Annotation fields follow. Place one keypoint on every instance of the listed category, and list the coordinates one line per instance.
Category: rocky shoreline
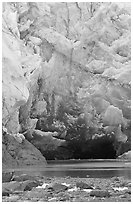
(27, 188)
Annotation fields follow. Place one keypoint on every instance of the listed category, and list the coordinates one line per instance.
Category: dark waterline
(94, 173)
(82, 169)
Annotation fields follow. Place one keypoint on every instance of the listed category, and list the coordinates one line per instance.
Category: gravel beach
(26, 188)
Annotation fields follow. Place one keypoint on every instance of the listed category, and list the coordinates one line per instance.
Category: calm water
(81, 168)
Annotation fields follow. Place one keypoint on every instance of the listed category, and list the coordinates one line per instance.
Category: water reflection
(92, 170)
(95, 173)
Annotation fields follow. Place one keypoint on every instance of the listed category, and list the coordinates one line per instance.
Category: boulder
(58, 187)
(30, 155)
(22, 154)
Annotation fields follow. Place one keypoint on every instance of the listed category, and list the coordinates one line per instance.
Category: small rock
(52, 200)
(30, 184)
(57, 187)
(37, 193)
(115, 179)
(123, 183)
(5, 193)
(48, 179)
(98, 188)
(128, 185)
(128, 191)
(35, 199)
(22, 177)
(83, 185)
(7, 176)
(11, 186)
(100, 193)
(14, 198)
(65, 198)
(17, 192)
(15, 186)
(123, 196)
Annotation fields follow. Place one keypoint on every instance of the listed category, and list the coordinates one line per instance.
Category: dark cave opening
(101, 148)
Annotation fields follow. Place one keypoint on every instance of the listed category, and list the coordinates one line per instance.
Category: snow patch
(120, 188)
(66, 184)
(73, 189)
(87, 190)
(43, 186)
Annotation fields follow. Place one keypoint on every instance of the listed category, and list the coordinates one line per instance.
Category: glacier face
(64, 63)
